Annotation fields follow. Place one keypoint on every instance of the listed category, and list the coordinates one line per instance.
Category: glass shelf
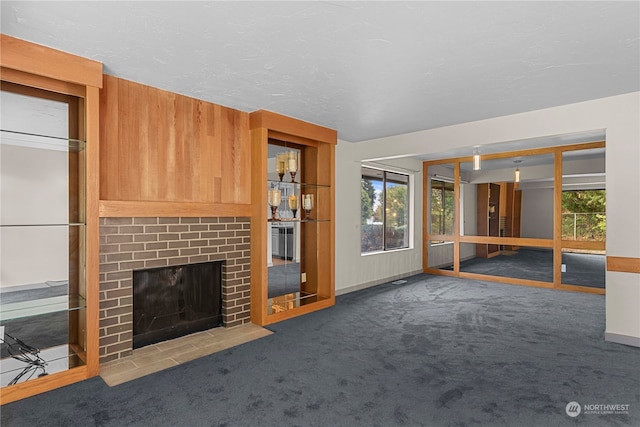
(52, 360)
(302, 184)
(35, 140)
(37, 307)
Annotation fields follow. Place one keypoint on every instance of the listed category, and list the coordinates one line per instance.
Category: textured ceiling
(367, 69)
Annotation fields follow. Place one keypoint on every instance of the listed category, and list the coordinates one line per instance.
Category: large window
(583, 215)
(442, 207)
(384, 210)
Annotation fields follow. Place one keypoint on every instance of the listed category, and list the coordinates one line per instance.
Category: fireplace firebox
(170, 302)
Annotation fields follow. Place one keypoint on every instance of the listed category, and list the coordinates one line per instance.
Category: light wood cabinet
(312, 262)
(68, 174)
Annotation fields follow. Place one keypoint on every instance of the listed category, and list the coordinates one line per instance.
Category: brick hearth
(128, 244)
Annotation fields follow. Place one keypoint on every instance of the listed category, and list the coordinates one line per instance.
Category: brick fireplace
(128, 244)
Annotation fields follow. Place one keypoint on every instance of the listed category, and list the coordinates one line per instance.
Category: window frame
(381, 175)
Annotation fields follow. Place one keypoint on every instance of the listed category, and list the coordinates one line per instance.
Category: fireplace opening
(170, 302)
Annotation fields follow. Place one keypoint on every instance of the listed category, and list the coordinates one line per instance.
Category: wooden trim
(623, 264)
(516, 281)
(35, 386)
(584, 289)
(557, 219)
(259, 272)
(508, 280)
(426, 226)
(584, 244)
(285, 125)
(299, 311)
(293, 139)
(439, 272)
(32, 58)
(317, 145)
(40, 87)
(92, 253)
(556, 243)
(117, 208)
(514, 241)
(518, 153)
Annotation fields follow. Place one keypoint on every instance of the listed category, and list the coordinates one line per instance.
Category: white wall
(618, 115)
(353, 270)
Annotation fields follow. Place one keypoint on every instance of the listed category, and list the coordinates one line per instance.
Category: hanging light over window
(476, 159)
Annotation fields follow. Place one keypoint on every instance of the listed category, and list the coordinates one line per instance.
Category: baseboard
(622, 339)
(375, 283)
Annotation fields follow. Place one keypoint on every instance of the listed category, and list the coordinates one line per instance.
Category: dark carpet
(436, 351)
(537, 264)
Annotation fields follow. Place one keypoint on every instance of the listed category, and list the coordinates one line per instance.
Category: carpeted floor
(436, 351)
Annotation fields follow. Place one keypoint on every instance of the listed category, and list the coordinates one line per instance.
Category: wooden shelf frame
(62, 74)
(557, 244)
(317, 144)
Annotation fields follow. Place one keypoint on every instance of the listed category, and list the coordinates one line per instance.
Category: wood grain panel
(582, 244)
(44, 61)
(623, 264)
(119, 208)
(159, 146)
(295, 128)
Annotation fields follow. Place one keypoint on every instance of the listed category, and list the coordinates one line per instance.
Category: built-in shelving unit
(293, 266)
(49, 222)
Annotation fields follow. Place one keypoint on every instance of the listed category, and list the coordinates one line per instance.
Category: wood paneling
(162, 147)
(292, 130)
(583, 244)
(116, 208)
(623, 264)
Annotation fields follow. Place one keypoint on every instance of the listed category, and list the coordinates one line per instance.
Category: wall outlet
(303, 277)
(563, 268)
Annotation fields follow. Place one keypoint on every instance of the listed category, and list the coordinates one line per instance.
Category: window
(442, 207)
(583, 215)
(384, 210)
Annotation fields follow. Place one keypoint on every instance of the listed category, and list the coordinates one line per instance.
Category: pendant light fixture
(476, 158)
(516, 175)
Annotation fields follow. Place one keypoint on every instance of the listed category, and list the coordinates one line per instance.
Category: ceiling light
(476, 159)
(516, 176)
